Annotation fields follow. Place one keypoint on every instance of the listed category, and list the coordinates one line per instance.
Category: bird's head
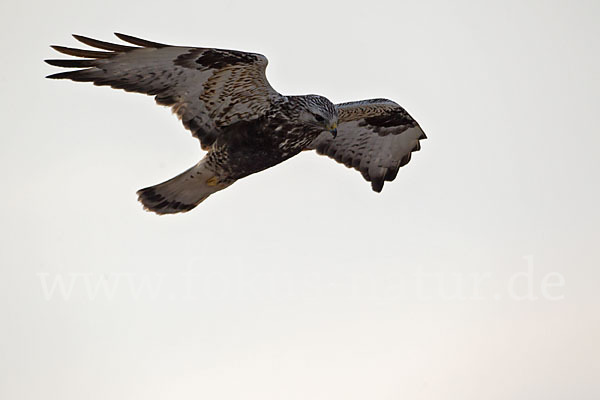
(320, 113)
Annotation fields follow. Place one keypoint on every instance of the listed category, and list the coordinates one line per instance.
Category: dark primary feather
(73, 63)
(103, 45)
(375, 137)
(138, 41)
(208, 89)
(81, 53)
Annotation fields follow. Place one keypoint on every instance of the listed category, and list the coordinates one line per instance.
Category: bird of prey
(224, 99)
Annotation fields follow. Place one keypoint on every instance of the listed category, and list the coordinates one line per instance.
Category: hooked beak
(333, 130)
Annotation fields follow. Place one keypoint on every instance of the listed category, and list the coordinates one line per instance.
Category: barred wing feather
(375, 137)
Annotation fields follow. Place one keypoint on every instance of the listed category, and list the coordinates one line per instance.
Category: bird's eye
(319, 118)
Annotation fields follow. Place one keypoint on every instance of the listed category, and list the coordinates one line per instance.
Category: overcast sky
(473, 275)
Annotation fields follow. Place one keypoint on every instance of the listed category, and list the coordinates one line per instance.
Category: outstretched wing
(207, 88)
(375, 137)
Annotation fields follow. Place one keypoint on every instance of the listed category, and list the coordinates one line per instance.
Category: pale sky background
(474, 275)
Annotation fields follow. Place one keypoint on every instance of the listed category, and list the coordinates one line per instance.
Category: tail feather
(181, 193)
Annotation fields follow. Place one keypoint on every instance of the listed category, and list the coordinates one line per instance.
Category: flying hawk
(223, 97)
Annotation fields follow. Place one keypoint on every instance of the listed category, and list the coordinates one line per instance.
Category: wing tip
(377, 184)
(99, 44)
(76, 63)
(82, 53)
(59, 75)
(138, 42)
(390, 174)
(78, 75)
